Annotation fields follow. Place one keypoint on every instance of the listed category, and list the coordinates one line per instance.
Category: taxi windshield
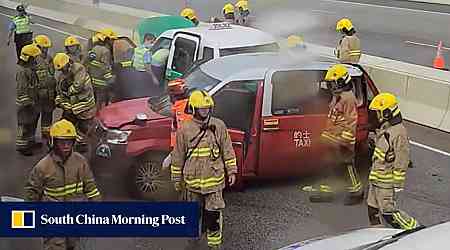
(198, 79)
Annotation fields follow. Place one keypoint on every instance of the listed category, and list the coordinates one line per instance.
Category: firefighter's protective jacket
(51, 179)
(99, 64)
(391, 156)
(349, 49)
(27, 87)
(201, 158)
(74, 90)
(342, 120)
(47, 82)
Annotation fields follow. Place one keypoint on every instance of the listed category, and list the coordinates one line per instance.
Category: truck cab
(275, 109)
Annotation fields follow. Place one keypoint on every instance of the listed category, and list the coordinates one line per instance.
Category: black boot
(323, 194)
(25, 151)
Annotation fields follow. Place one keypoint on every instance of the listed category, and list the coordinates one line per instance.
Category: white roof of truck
(234, 37)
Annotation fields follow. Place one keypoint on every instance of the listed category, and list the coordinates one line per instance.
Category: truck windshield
(198, 79)
(271, 47)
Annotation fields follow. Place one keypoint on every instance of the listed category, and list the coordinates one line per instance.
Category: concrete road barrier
(424, 93)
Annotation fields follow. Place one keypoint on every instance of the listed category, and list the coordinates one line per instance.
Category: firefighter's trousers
(340, 161)
(27, 119)
(82, 123)
(45, 112)
(61, 243)
(382, 203)
(211, 217)
(103, 96)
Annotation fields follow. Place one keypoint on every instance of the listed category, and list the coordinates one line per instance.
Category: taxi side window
(183, 55)
(208, 54)
(299, 92)
(235, 104)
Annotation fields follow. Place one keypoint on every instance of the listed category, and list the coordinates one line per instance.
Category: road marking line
(51, 28)
(387, 7)
(430, 148)
(426, 45)
(324, 11)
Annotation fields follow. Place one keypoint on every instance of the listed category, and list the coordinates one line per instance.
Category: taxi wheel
(149, 181)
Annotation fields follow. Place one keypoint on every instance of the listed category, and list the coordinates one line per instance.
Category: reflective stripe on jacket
(390, 170)
(342, 120)
(349, 49)
(51, 179)
(205, 168)
(22, 24)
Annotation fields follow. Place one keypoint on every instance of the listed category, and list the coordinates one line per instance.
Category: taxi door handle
(271, 125)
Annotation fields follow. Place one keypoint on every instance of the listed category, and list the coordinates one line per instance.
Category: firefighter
(189, 14)
(73, 49)
(338, 139)
(348, 49)
(46, 86)
(27, 99)
(389, 164)
(244, 12)
(99, 65)
(202, 158)
(228, 12)
(20, 26)
(75, 96)
(62, 175)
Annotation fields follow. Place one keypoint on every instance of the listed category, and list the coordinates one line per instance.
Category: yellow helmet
(200, 99)
(30, 50)
(108, 33)
(71, 41)
(63, 129)
(228, 9)
(336, 72)
(294, 41)
(188, 13)
(383, 101)
(344, 23)
(43, 41)
(60, 60)
(338, 78)
(386, 106)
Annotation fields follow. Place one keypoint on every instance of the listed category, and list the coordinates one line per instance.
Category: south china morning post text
(114, 219)
(99, 219)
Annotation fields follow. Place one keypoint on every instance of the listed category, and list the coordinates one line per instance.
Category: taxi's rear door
(294, 113)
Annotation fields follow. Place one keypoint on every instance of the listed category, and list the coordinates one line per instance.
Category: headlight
(115, 136)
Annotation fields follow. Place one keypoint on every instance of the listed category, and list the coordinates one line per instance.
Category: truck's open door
(183, 52)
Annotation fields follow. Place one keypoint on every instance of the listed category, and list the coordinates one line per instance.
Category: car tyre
(149, 181)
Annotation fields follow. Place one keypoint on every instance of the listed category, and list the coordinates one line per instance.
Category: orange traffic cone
(439, 61)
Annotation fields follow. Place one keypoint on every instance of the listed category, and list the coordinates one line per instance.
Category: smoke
(286, 22)
(283, 23)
